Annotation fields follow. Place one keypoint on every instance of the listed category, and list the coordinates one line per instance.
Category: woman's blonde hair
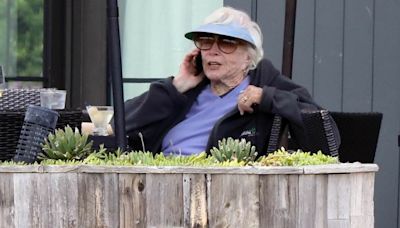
(229, 15)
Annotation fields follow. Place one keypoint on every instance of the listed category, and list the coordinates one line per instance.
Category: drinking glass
(53, 98)
(100, 117)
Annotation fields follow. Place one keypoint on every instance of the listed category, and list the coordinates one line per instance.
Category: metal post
(287, 56)
(288, 37)
(115, 72)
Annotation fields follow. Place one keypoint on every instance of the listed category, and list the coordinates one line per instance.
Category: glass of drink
(100, 117)
(52, 98)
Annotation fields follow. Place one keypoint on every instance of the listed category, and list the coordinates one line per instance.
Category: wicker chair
(13, 103)
(17, 99)
(318, 135)
(359, 135)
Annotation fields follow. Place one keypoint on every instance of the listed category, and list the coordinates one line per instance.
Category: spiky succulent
(66, 145)
(234, 150)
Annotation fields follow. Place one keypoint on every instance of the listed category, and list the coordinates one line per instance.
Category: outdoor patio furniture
(13, 103)
(38, 123)
(17, 99)
(318, 134)
(11, 123)
(359, 135)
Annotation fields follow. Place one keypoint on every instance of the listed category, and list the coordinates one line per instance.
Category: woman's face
(220, 65)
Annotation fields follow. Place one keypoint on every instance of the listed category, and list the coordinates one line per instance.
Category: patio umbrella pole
(288, 37)
(287, 56)
(115, 71)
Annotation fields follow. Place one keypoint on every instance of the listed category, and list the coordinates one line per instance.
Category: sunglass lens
(228, 45)
(204, 42)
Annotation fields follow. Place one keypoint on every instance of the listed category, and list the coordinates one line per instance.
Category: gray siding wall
(347, 54)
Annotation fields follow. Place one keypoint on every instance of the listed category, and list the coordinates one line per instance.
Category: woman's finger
(244, 104)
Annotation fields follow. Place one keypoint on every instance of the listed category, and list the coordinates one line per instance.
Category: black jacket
(152, 114)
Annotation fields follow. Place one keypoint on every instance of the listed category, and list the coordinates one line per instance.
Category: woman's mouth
(213, 65)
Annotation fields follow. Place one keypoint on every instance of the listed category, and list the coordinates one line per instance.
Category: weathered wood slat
(232, 198)
(41, 206)
(307, 201)
(361, 204)
(6, 200)
(21, 169)
(315, 169)
(195, 200)
(185, 199)
(111, 201)
(164, 200)
(337, 223)
(132, 202)
(98, 200)
(31, 194)
(362, 221)
(339, 195)
(340, 168)
(64, 200)
(321, 200)
(356, 195)
(188, 170)
(278, 200)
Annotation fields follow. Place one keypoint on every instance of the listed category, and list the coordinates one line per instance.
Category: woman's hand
(251, 95)
(186, 78)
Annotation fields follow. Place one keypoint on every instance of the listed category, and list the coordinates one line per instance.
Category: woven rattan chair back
(17, 99)
(11, 123)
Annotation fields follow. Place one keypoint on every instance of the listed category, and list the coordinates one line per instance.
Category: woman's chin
(213, 75)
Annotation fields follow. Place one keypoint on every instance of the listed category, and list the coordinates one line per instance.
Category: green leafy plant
(234, 150)
(66, 145)
(13, 163)
(140, 158)
(103, 157)
(298, 158)
(200, 159)
(70, 148)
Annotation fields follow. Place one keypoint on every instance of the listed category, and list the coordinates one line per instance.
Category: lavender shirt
(191, 135)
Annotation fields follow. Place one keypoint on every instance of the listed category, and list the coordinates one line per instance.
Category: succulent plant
(66, 145)
(234, 150)
(282, 157)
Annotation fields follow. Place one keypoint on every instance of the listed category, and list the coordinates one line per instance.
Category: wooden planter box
(97, 196)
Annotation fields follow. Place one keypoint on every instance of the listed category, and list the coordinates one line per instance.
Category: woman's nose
(214, 47)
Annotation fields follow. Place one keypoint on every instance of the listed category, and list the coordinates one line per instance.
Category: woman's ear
(246, 64)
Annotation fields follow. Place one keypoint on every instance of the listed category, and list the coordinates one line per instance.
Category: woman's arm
(155, 110)
(280, 95)
(274, 93)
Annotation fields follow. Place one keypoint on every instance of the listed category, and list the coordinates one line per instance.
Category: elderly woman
(236, 95)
